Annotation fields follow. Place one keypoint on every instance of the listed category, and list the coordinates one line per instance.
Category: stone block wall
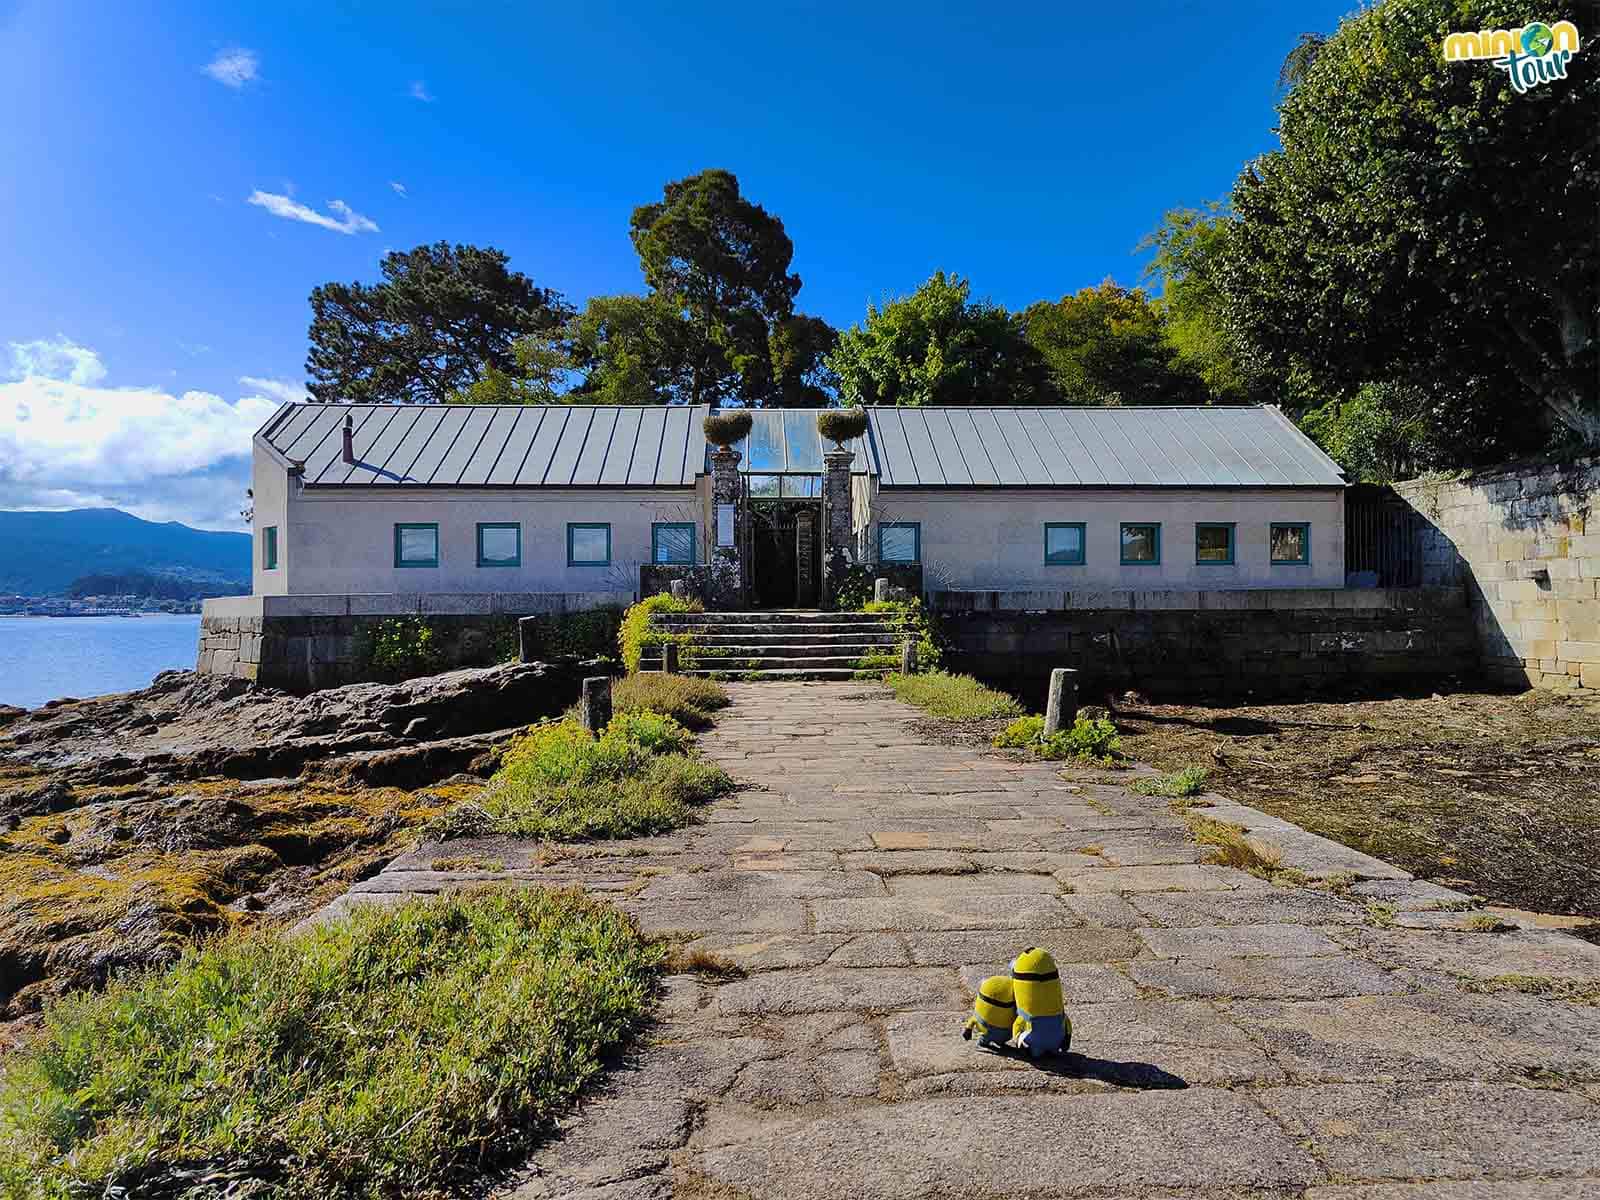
(302, 643)
(1212, 644)
(1525, 545)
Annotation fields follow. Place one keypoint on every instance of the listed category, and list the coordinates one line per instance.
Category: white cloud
(58, 359)
(65, 443)
(419, 91)
(346, 219)
(399, 188)
(234, 67)
(283, 391)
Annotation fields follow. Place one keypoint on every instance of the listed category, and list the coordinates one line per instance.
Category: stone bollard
(908, 657)
(679, 589)
(669, 657)
(528, 639)
(880, 590)
(594, 707)
(1061, 710)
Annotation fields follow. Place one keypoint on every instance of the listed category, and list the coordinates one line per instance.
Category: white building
(572, 499)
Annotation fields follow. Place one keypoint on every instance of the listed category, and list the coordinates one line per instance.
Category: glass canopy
(786, 442)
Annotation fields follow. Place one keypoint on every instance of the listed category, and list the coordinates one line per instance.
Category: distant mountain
(41, 553)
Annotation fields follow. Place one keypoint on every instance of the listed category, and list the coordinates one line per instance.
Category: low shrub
(636, 633)
(1021, 734)
(1087, 739)
(688, 699)
(726, 428)
(1179, 784)
(840, 425)
(956, 697)
(400, 648)
(912, 621)
(559, 781)
(852, 592)
(399, 1052)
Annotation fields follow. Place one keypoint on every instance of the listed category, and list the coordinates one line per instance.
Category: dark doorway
(786, 557)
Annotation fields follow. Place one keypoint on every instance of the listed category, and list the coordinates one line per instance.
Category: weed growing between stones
(399, 1052)
(911, 622)
(1486, 923)
(1381, 915)
(694, 960)
(954, 697)
(1179, 785)
(467, 862)
(1232, 847)
(1574, 991)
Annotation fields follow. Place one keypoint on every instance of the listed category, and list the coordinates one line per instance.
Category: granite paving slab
(1233, 1039)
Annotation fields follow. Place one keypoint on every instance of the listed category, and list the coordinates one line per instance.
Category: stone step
(723, 653)
(790, 675)
(795, 630)
(864, 637)
(767, 617)
(784, 663)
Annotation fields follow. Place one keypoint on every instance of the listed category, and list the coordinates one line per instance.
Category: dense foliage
(687, 699)
(151, 586)
(590, 633)
(438, 318)
(1110, 345)
(1425, 225)
(637, 634)
(396, 1053)
(400, 648)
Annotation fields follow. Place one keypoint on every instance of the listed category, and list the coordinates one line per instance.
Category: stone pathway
(1232, 1038)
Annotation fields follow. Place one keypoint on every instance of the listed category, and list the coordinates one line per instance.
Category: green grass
(1180, 784)
(559, 781)
(398, 1053)
(687, 699)
(956, 697)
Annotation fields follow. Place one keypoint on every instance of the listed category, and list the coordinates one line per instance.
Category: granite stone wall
(1525, 546)
(1212, 644)
(302, 643)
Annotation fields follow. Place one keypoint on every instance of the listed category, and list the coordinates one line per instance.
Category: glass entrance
(786, 553)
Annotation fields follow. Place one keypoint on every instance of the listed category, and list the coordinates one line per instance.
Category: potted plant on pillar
(726, 429)
(838, 425)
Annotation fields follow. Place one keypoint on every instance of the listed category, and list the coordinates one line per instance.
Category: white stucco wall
(995, 539)
(343, 542)
(269, 486)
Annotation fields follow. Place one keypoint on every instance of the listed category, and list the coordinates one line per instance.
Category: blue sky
(151, 312)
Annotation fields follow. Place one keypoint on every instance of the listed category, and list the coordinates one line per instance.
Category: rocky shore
(132, 824)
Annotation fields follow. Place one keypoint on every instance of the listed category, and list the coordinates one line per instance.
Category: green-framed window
(588, 544)
(416, 545)
(672, 542)
(1290, 543)
(900, 542)
(1213, 543)
(269, 548)
(1141, 543)
(499, 544)
(1064, 543)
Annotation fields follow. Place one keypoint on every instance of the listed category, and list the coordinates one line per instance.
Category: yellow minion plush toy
(993, 1012)
(1041, 1026)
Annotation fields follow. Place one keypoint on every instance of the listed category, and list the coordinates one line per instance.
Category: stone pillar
(679, 589)
(669, 657)
(880, 589)
(838, 527)
(908, 657)
(594, 705)
(727, 571)
(1061, 710)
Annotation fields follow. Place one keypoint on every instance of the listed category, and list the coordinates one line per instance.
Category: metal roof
(651, 446)
(1095, 447)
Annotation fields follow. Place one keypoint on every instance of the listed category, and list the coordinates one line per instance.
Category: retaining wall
(1525, 546)
(1200, 644)
(302, 643)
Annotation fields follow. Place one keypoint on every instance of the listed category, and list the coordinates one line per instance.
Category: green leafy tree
(542, 365)
(634, 350)
(1425, 224)
(440, 316)
(1108, 345)
(723, 263)
(798, 374)
(939, 346)
(1187, 245)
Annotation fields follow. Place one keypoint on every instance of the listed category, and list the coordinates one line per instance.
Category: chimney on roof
(349, 438)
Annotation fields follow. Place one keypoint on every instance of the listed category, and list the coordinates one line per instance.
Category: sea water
(46, 658)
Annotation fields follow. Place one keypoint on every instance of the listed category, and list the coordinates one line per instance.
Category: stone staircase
(779, 644)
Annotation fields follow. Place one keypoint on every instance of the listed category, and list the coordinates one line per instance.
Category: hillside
(41, 553)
